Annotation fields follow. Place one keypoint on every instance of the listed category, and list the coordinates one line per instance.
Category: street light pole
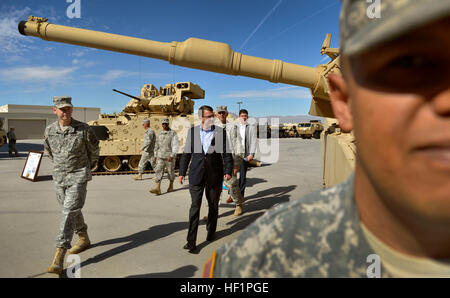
(239, 103)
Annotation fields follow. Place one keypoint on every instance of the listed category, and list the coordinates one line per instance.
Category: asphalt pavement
(133, 232)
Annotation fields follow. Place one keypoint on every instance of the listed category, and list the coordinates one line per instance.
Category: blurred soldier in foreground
(234, 139)
(12, 142)
(166, 149)
(395, 208)
(146, 150)
(73, 148)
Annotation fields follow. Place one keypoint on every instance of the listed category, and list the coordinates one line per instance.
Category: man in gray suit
(248, 138)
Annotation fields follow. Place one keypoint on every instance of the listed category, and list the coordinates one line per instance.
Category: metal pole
(239, 103)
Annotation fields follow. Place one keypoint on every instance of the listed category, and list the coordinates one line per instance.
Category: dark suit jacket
(206, 167)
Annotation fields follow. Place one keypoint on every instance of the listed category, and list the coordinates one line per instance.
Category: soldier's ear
(340, 101)
(54, 110)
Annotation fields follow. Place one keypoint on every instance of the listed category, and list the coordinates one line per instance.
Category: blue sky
(32, 71)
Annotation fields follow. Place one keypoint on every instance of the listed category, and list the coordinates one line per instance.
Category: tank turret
(338, 150)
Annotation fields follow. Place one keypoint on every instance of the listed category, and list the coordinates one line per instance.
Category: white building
(29, 121)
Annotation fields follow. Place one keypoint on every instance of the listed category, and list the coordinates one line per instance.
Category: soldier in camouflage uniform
(166, 150)
(392, 216)
(234, 139)
(73, 148)
(12, 142)
(146, 150)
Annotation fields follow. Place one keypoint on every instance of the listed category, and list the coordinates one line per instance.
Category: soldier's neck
(63, 122)
(398, 229)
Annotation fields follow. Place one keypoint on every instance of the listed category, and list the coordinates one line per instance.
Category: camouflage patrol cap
(62, 101)
(146, 121)
(165, 120)
(366, 23)
(222, 109)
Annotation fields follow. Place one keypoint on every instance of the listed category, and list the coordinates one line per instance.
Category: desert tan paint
(195, 53)
(219, 57)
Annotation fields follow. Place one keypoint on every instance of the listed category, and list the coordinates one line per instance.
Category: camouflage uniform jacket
(149, 141)
(167, 144)
(73, 152)
(316, 236)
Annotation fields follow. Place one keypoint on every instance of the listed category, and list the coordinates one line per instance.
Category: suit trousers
(213, 197)
(243, 176)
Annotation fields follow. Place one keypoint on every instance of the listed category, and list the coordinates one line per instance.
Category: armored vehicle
(307, 130)
(288, 130)
(337, 149)
(121, 135)
(2, 133)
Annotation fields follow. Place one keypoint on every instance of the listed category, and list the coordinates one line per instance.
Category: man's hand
(226, 177)
(250, 158)
(169, 159)
(140, 150)
(181, 179)
(235, 170)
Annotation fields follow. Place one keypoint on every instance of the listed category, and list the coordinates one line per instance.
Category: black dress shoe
(190, 246)
(211, 237)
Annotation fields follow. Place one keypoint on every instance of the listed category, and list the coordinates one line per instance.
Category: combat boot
(58, 261)
(138, 177)
(170, 189)
(82, 244)
(157, 189)
(238, 210)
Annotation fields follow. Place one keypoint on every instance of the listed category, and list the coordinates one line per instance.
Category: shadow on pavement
(253, 181)
(182, 272)
(22, 148)
(135, 240)
(262, 200)
(44, 178)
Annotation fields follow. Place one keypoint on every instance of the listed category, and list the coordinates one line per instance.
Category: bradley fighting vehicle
(338, 149)
(121, 135)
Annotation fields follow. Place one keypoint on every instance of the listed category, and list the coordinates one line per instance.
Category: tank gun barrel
(193, 52)
(126, 94)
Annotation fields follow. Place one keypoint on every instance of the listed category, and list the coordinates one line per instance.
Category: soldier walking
(73, 148)
(166, 150)
(235, 141)
(147, 150)
(12, 142)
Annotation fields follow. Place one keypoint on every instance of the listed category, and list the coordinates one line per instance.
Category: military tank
(2, 133)
(121, 135)
(338, 152)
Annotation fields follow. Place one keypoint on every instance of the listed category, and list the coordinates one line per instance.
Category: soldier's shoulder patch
(208, 268)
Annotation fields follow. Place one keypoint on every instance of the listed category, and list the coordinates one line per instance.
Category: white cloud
(37, 74)
(13, 45)
(284, 92)
(78, 53)
(11, 41)
(115, 74)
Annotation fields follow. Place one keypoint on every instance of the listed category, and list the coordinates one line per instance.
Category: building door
(28, 129)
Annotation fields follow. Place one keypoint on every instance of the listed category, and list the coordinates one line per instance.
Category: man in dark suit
(211, 161)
